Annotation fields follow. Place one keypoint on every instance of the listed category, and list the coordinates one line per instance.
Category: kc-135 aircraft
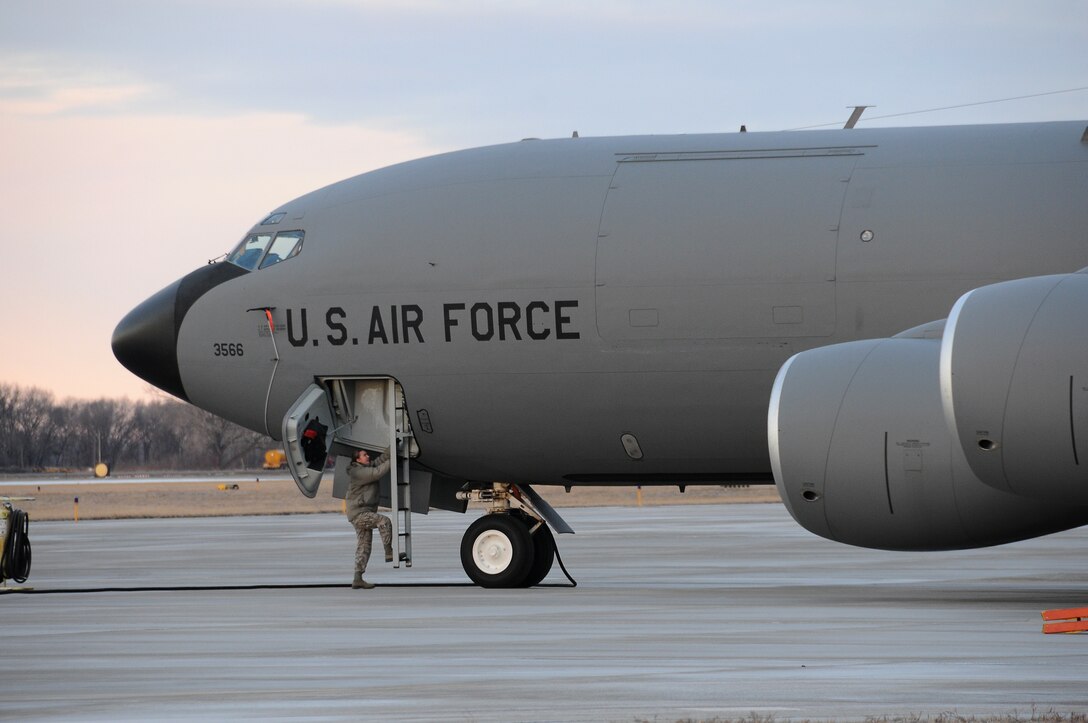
(890, 324)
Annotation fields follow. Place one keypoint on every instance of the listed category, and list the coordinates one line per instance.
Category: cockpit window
(260, 250)
(250, 251)
(273, 218)
(285, 245)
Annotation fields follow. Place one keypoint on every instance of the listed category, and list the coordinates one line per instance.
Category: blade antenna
(856, 115)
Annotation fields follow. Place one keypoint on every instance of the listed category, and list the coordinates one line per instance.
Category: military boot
(389, 554)
(359, 582)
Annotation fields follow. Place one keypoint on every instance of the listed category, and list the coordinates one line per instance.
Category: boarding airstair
(400, 485)
(341, 415)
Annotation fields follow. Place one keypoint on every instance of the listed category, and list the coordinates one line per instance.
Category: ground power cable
(243, 588)
(15, 562)
(17, 540)
(559, 559)
(282, 586)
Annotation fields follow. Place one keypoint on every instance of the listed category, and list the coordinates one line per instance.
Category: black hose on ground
(563, 567)
(15, 562)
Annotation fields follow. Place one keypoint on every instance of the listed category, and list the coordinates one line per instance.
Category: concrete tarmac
(681, 613)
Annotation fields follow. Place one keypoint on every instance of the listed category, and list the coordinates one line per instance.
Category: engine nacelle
(1014, 384)
(861, 454)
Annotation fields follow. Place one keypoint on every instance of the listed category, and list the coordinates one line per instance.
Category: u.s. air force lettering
(409, 324)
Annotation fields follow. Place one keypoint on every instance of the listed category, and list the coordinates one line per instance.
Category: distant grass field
(273, 497)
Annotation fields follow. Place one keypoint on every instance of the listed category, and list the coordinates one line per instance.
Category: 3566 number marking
(225, 349)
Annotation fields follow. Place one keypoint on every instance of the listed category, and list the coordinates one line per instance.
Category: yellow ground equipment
(275, 459)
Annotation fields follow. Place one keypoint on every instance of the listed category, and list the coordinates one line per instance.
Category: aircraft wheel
(543, 553)
(497, 551)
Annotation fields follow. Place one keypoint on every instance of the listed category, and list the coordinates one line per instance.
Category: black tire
(543, 553)
(497, 551)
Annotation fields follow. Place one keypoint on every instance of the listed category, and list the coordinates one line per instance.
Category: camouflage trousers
(364, 524)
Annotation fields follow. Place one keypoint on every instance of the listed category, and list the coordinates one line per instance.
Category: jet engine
(1014, 384)
(861, 454)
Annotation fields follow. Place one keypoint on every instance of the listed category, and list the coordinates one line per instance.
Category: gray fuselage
(540, 300)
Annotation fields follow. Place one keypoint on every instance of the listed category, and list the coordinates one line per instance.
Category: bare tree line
(38, 433)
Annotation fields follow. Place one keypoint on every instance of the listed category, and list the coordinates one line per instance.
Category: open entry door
(343, 415)
(308, 429)
(369, 412)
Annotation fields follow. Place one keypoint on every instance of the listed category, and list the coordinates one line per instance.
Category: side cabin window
(260, 250)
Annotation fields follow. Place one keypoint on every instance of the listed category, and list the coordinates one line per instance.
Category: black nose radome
(145, 342)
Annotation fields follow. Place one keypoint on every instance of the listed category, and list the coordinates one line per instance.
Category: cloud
(31, 85)
(701, 17)
(102, 211)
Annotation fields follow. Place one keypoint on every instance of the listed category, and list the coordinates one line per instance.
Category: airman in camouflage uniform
(362, 511)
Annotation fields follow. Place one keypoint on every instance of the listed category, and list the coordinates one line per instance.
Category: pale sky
(140, 139)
